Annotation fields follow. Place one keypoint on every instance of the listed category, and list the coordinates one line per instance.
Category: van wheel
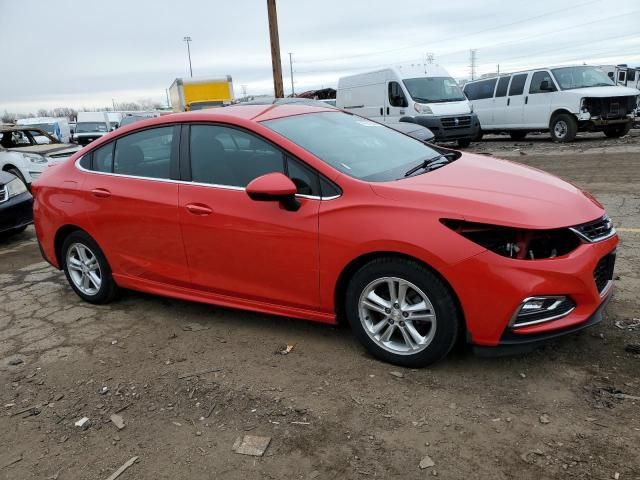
(564, 128)
(402, 313)
(617, 131)
(87, 270)
(517, 134)
(464, 142)
(478, 136)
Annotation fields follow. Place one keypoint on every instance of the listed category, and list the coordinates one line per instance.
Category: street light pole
(188, 39)
(293, 94)
(276, 65)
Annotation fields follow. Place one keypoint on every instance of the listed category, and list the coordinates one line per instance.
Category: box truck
(188, 94)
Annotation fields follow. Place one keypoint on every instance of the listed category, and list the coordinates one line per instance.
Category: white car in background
(23, 154)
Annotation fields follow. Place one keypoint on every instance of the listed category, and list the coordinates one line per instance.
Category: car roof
(256, 113)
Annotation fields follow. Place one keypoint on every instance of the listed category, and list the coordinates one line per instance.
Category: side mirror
(274, 187)
(545, 87)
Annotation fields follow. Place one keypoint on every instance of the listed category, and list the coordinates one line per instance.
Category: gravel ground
(189, 379)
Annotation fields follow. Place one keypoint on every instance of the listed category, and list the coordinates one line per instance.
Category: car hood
(482, 189)
(612, 91)
(53, 150)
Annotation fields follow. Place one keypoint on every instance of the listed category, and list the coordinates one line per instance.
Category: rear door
(537, 105)
(499, 109)
(238, 247)
(133, 205)
(515, 101)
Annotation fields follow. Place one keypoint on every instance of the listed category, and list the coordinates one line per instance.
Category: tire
(478, 136)
(563, 128)
(517, 134)
(72, 248)
(439, 327)
(617, 131)
(464, 142)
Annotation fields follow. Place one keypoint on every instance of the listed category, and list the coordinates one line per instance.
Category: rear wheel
(402, 312)
(87, 270)
(517, 134)
(563, 128)
(616, 131)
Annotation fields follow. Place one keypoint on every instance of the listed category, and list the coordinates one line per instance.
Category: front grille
(610, 107)
(603, 273)
(450, 123)
(595, 231)
(4, 195)
(561, 309)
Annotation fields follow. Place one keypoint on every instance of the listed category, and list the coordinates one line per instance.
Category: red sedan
(318, 214)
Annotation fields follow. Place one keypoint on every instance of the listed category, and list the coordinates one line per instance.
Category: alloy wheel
(84, 269)
(397, 315)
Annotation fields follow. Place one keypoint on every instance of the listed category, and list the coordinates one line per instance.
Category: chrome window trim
(185, 182)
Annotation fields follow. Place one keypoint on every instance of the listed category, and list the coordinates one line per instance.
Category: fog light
(535, 310)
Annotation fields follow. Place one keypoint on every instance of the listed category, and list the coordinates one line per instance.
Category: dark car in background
(16, 205)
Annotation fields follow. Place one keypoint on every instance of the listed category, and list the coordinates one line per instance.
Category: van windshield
(581, 77)
(434, 89)
(354, 145)
(47, 127)
(90, 127)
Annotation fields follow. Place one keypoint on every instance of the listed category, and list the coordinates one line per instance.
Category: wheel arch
(560, 111)
(355, 264)
(61, 234)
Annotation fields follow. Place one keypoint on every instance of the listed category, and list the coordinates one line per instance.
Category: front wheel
(464, 142)
(616, 131)
(563, 128)
(402, 312)
(87, 270)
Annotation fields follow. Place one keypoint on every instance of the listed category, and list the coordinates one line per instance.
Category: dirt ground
(332, 412)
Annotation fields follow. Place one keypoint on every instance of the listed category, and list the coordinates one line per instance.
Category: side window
(396, 95)
(144, 154)
(480, 90)
(517, 84)
(503, 83)
(228, 156)
(631, 76)
(537, 83)
(103, 158)
(621, 75)
(307, 181)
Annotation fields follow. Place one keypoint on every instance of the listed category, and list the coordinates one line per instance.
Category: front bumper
(500, 284)
(450, 127)
(16, 212)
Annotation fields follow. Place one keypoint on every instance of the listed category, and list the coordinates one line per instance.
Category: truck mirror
(545, 87)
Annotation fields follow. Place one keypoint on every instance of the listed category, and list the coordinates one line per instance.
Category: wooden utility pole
(275, 49)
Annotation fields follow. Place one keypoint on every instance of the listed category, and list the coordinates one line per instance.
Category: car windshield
(434, 89)
(89, 127)
(581, 77)
(354, 145)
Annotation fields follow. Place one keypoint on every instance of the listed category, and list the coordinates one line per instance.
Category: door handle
(199, 209)
(508, 101)
(526, 99)
(381, 111)
(387, 110)
(101, 193)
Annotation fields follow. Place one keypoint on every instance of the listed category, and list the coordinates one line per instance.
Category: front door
(238, 247)
(537, 107)
(133, 206)
(396, 104)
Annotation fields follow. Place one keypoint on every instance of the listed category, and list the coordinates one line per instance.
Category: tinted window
(621, 76)
(103, 158)
(227, 156)
(631, 75)
(85, 162)
(517, 84)
(536, 83)
(503, 83)
(480, 90)
(396, 95)
(144, 154)
(305, 179)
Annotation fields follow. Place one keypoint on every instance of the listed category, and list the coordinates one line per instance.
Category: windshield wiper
(428, 164)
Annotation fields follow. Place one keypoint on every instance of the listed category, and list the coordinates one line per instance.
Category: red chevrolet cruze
(319, 214)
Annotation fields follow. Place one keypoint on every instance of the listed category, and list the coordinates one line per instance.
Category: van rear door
(499, 113)
(515, 101)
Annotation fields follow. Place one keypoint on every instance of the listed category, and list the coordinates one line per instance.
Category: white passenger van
(57, 127)
(562, 100)
(424, 94)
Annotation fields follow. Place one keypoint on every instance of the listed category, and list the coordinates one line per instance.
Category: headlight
(35, 158)
(516, 242)
(15, 187)
(422, 108)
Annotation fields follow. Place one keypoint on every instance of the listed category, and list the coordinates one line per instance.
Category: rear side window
(517, 84)
(396, 95)
(227, 156)
(537, 82)
(503, 84)
(144, 154)
(103, 158)
(480, 90)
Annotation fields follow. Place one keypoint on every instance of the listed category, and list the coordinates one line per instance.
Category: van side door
(515, 101)
(538, 100)
(499, 113)
(396, 102)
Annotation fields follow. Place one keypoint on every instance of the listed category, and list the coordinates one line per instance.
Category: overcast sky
(85, 52)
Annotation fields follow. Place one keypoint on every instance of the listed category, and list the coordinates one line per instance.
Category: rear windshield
(433, 89)
(90, 127)
(353, 145)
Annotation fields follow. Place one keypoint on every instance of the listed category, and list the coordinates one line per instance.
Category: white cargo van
(424, 94)
(93, 125)
(57, 127)
(561, 100)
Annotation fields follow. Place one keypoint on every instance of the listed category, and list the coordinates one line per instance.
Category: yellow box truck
(188, 94)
